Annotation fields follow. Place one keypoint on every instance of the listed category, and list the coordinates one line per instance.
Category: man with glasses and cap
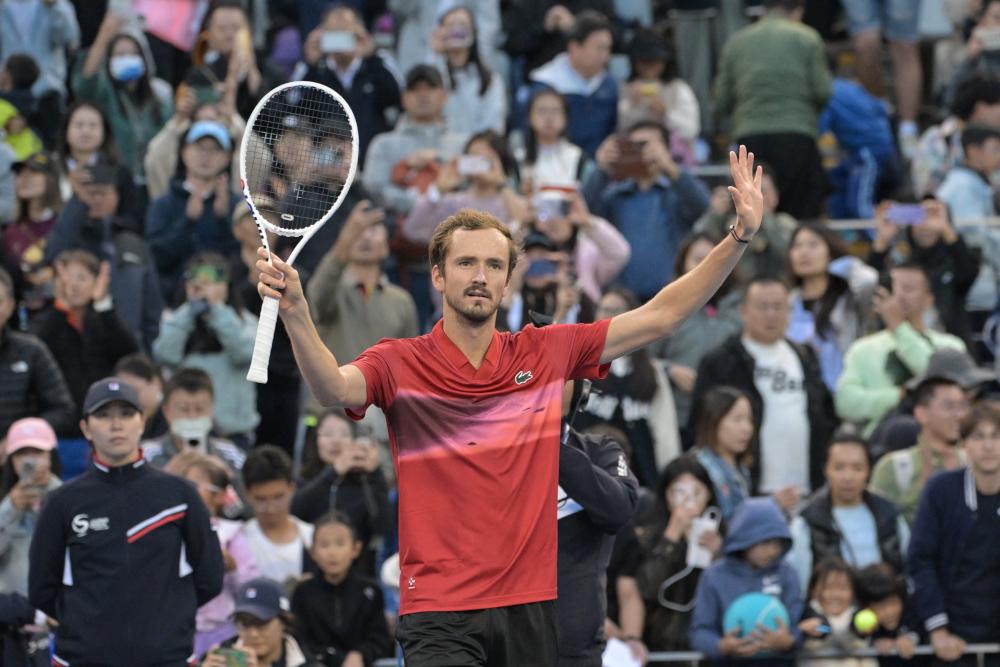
(123, 543)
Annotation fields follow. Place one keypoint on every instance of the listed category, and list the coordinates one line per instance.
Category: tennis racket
(298, 157)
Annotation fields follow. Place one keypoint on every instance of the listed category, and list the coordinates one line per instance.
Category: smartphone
(541, 268)
(337, 41)
(697, 555)
(473, 165)
(906, 214)
(234, 658)
(630, 163)
(548, 208)
(28, 468)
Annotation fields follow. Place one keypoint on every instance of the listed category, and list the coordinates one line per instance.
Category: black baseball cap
(539, 240)
(109, 390)
(262, 598)
(36, 162)
(424, 74)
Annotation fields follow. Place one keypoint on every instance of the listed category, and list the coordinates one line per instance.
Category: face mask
(127, 68)
(192, 430)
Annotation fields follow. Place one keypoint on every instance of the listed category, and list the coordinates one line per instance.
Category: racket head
(298, 157)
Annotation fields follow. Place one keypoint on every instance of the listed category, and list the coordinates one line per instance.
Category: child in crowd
(880, 589)
(211, 476)
(279, 541)
(754, 549)
(339, 614)
(828, 620)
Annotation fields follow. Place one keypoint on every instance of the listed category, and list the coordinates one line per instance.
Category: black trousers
(523, 635)
(798, 170)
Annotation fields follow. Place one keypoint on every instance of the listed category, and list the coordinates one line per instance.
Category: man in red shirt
(474, 422)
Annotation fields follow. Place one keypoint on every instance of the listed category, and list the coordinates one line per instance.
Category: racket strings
(299, 157)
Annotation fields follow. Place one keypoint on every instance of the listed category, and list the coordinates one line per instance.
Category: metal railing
(980, 651)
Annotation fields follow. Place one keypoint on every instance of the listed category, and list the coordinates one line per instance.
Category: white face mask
(192, 430)
(127, 68)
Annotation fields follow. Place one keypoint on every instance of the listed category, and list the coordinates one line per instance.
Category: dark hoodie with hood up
(756, 520)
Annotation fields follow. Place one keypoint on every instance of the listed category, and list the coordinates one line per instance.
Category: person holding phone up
(931, 241)
(340, 53)
(29, 473)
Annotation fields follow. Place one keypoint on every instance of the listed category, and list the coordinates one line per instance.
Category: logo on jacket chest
(83, 524)
(522, 377)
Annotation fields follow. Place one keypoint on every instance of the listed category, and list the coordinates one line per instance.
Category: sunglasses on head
(215, 274)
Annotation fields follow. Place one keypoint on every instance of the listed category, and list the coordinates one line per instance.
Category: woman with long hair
(211, 330)
(477, 99)
(548, 158)
(39, 201)
(117, 76)
(666, 581)
(723, 436)
(86, 140)
(342, 468)
(831, 296)
(636, 398)
(704, 330)
(484, 178)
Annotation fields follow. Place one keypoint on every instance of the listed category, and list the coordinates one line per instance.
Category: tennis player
(474, 421)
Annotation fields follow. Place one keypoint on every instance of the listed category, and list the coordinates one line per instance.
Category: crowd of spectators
(835, 402)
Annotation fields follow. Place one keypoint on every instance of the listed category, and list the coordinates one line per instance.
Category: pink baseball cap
(30, 432)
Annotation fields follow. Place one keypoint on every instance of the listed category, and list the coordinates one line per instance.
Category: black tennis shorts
(523, 635)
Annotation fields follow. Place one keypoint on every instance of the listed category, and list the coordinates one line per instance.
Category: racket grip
(262, 345)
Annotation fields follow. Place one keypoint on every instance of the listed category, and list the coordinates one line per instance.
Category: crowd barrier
(980, 651)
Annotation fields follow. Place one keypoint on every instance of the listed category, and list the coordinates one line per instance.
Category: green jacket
(899, 476)
(773, 79)
(877, 366)
(133, 127)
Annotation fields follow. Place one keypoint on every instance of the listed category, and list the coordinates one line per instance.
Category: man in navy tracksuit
(598, 495)
(954, 557)
(123, 556)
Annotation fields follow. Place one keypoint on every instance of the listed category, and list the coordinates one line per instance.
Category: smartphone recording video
(906, 214)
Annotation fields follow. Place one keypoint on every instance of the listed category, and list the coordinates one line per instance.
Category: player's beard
(476, 312)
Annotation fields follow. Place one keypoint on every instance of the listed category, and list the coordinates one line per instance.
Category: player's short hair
(191, 380)
(915, 266)
(470, 220)
(651, 125)
(878, 582)
(84, 258)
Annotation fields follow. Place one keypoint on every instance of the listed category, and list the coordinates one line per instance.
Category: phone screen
(906, 214)
(337, 41)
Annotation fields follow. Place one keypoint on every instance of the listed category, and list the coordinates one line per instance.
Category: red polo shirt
(477, 458)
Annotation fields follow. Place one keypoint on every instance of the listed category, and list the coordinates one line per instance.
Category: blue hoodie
(756, 520)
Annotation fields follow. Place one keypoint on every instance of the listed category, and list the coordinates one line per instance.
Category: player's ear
(356, 548)
(437, 277)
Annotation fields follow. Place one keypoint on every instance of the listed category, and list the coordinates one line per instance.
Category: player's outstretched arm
(678, 300)
(332, 385)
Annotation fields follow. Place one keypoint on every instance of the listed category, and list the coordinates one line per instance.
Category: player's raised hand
(746, 191)
(279, 281)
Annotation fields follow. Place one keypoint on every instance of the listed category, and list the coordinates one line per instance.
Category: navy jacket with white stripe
(122, 558)
(945, 526)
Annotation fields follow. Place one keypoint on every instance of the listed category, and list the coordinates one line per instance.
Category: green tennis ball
(865, 621)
